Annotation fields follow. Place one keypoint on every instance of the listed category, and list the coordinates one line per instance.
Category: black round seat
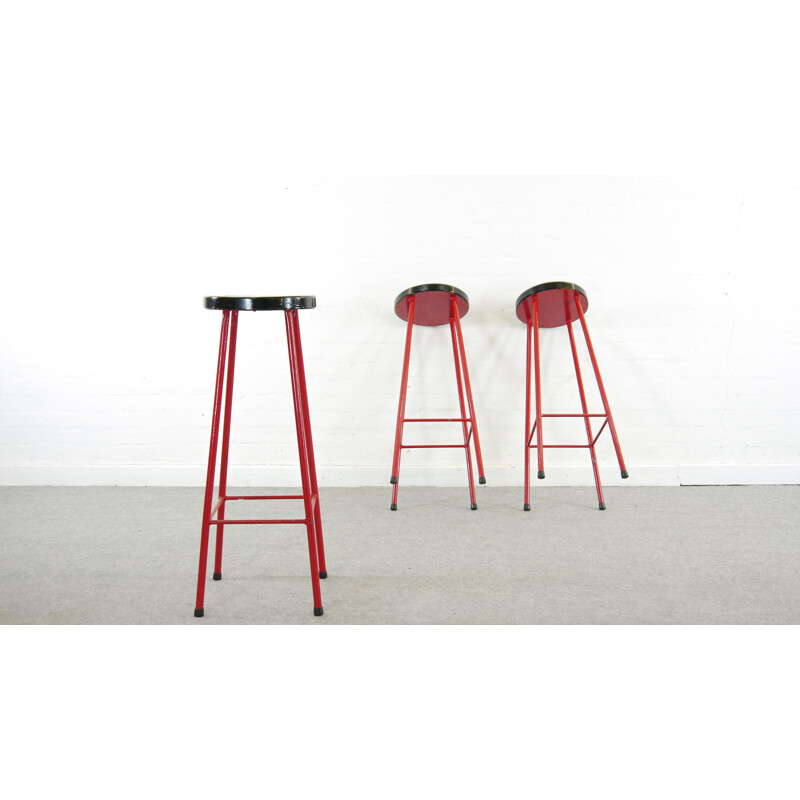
(431, 303)
(261, 303)
(556, 303)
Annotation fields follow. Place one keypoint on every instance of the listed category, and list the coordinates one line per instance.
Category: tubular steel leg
(470, 479)
(401, 411)
(600, 500)
(537, 369)
(226, 441)
(302, 447)
(312, 467)
(607, 409)
(212, 462)
(527, 497)
(468, 386)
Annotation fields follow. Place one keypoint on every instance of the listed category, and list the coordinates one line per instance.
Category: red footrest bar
(419, 446)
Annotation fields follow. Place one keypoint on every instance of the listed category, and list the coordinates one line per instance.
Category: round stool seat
(260, 303)
(431, 303)
(556, 303)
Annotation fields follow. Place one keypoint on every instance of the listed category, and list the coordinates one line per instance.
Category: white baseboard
(738, 474)
(277, 476)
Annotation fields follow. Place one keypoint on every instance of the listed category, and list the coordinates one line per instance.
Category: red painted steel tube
(302, 448)
(436, 419)
(470, 479)
(586, 419)
(602, 428)
(212, 462)
(312, 466)
(226, 440)
(220, 501)
(265, 497)
(468, 387)
(221, 522)
(528, 432)
(574, 415)
(401, 411)
(600, 386)
(538, 377)
(426, 446)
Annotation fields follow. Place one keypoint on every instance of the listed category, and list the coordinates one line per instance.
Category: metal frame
(215, 515)
(533, 333)
(469, 424)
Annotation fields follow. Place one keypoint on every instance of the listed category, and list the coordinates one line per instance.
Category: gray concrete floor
(667, 555)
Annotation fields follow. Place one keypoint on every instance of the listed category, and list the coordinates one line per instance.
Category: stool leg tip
(198, 612)
(481, 479)
(602, 506)
(393, 479)
(624, 473)
(474, 506)
(217, 576)
(323, 575)
(526, 507)
(393, 506)
(540, 476)
(317, 611)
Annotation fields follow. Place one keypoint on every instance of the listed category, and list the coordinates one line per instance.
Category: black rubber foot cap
(602, 506)
(474, 506)
(481, 480)
(624, 473)
(540, 475)
(198, 612)
(323, 575)
(526, 507)
(393, 479)
(317, 611)
(393, 506)
(217, 576)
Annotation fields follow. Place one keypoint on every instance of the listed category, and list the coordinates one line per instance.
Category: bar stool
(230, 307)
(551, 305)
(433, 304)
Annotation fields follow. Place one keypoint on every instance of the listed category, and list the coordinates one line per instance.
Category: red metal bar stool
(433, 304)
(215, 515)
(551, 305)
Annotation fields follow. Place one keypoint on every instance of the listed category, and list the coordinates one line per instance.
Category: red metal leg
(226, 440)
(309, 499)
(468, 387)
(589, 437)
(470, 479)
(312, 467)
(527, 497)
(606, 407)
(401, 411)
(537, 369)
(212, 462)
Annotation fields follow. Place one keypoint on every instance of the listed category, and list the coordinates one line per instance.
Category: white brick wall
(108, 357)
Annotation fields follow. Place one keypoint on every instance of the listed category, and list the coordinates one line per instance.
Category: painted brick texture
(107, 378)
